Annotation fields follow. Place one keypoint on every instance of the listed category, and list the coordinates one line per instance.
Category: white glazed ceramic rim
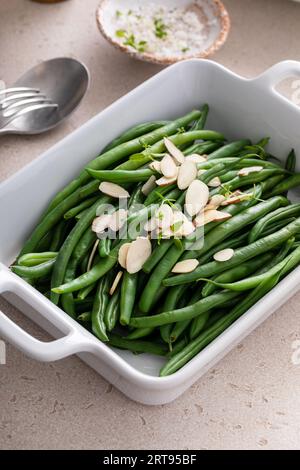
(222, 17)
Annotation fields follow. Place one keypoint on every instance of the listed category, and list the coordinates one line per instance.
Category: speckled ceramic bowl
(212, 13)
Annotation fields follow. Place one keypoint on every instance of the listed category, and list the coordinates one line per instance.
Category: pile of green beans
(153, 310)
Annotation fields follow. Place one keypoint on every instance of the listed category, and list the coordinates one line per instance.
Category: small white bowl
(212, 13)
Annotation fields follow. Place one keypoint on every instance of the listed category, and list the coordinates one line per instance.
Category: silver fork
(17, 101)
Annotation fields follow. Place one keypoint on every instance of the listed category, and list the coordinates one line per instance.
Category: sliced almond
(215, 182)
(174, 151)
(138, 253)
(211, 215)
(92, 255)
(149, 185)
(186, 174)
(196, 158)
(224, 255)
(250, 169)
(215, 201)
(101, 223)
(196, 197)
(115, 283)
(163, 181)
(155, 166)
(113, 190)
(234, 199)
(150, 225)
(168, 166)
(181, 225)
(186, 266)
(118, 218)
(201, 172)
(122, 255)
(164, 216)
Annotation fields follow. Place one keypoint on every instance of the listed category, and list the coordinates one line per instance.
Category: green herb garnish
(160, 28)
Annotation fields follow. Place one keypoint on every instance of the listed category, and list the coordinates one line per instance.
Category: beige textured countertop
(251, 398)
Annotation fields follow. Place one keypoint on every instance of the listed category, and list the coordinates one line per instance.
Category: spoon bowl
(64, 81)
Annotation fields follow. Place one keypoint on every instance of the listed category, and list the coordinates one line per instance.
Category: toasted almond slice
(92, 255)
(196, 158)
(122, 255)
(186, 174)
(164, 216)
(215, 182)
(235, 199)
(174, 151)
(151, 224)
(115, 283)
(163, 181)
(118, 219)
(138, 253)
(250, 169)
(149, 185)
(113, 190)
(186, 266)
(215, 201)
(224, 255)
(196, 197)
(155, 166)
(211, 215)
(185, 229)
(168, 166)
(101, 223)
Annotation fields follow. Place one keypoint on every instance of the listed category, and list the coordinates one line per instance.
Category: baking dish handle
(278, 72)
(73, 342)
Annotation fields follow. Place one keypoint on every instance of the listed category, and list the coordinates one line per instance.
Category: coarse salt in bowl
(164, 31)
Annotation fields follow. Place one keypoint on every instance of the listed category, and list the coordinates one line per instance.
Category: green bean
(137, 197)
(69, 244)
(281, 254)
(198, 324)
(207, 336)
(100, 304)
(199, 124)
(140, 333)
(85, 317)
(178, 346)
(155, 194)
(229, 149)
(82, 306)
(138, 346)
(58, 235)
(185, 313)
(277, 226)
(121, 176)
(181, 326)
(128, 294)
(80, 207)
(104, 247)
(290, 163)
(33, 259)
(178, 329)
(112, 312)
(272, 217)
(171, 300)
(202, 148)
(157, 254)
(34, 272)
(237, 272)
(133, 132)
(67, 300)
(85, 291)
(242, 254)
(285, 185)
(242, 181)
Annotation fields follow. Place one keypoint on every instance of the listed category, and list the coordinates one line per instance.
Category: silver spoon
(63, 82)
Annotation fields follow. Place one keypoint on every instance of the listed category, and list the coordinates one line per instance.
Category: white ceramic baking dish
(239, 107)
